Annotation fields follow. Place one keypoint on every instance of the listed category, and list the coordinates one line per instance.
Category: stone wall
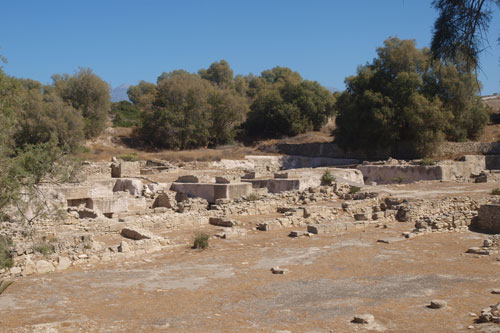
(332, 150)
(488, 219)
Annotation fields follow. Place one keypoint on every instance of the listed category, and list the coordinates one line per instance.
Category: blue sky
(127, 41)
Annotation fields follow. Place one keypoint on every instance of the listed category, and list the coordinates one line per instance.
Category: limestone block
(63, 263)
(162, 200)
(43, 266)
(136, 233)
(221, 222)
(133, 186)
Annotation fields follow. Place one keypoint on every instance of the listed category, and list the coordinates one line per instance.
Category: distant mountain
(120, 93)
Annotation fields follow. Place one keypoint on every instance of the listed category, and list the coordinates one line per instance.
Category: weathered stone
(477, 250)
(181, 196)
(297, 233)
(227, 233)
(133, 186)
(15, 270)
(222, 180)
(43, 266)
(221, 222)
(136, 233)
(162, 200)
(63, 263)
(187, 179)
(364, 319)
(281, 175)
(488, 220)
(278, 270)
(438, 304)
(390, 240)
(361, 217)
(495, 291)
(123, 247)
(326, 228)
(248, 175)
(269, 226)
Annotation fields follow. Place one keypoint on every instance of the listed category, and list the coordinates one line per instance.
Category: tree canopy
(185, 110)
(404, 96)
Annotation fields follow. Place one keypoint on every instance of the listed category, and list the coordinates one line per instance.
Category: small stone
(495, 291)
(43, 266)
(363, 319)
(278, 270)
(63, 263)
(298, 233)
(487, 243)
(476, 250)
(15, 270)
(470, 327)
(136, 233)
(438, 304)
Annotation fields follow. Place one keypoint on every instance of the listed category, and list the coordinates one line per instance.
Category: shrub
(354, 189)
(125, 114)
(4, 285)
(327, 178)
(5, 257)
(201, 241)
(495, 191)
(398, 179)
(44, 248)
(129, 157)
(253, 197)
(427, 161)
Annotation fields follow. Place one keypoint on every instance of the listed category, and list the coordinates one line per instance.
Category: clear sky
(126, 41)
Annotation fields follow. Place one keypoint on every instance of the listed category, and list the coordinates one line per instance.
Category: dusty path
(229, 287)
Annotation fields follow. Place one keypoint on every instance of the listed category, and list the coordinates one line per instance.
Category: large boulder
(136, 233)
(162, 200)
(133, 186)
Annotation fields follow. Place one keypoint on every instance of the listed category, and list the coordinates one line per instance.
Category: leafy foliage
(5, 248)
(86, 92)
(184, 110)
(201, 241)
(189, 112)
(125, 114)
(327, 178)
(37, 130)
(405, 97)
(286, 105)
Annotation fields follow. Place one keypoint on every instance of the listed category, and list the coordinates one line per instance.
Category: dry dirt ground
(229, 287)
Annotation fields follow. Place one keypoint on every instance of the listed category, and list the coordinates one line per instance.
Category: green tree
(25, 165)
(142, 94)
(190, 112)
(219, 73)
(286, 105)
(179, 117)
(42, 116)
(403, 97)
(227, 111)
(125, 114)
(86, 92)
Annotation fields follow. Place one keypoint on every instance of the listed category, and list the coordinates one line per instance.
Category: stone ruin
(141, 201)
